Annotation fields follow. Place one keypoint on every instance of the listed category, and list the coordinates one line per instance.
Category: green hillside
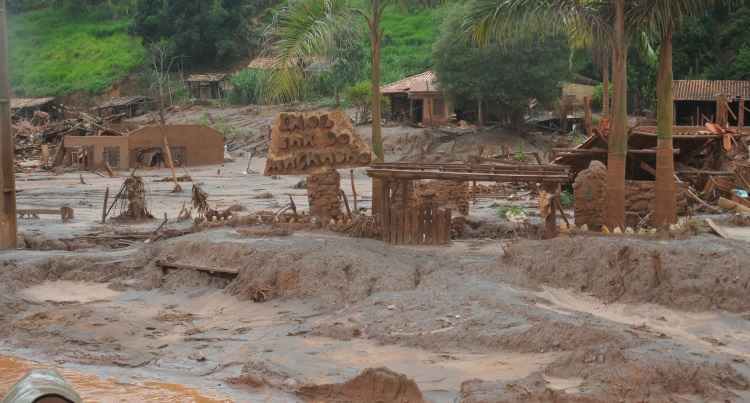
(408, 41)
(54, 53)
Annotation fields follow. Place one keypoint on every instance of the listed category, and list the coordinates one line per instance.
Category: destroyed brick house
(418, 99)
(124, 107)
(191, 145)
(207, 86)
(710, 163)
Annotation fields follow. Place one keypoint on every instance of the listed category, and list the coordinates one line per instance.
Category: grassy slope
(409, 36)
(52, 53)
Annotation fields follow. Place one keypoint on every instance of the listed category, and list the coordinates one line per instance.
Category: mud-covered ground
(316, 316)
(475, 322)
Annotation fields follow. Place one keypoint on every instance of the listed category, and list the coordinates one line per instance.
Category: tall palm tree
(602, 20)
(662, 18)
(308, 28)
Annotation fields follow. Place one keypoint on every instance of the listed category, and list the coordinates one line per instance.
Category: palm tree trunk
(618, 138)
(605, 86)
(666, 188)
(375, 36)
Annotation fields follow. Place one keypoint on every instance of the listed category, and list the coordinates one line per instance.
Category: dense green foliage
(62, 46)
(715, 46)
(493, 73)
(205, 32)
(55, 53)
(246, 87)
(409, 38)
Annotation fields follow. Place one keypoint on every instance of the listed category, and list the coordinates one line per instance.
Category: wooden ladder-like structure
(427, 224)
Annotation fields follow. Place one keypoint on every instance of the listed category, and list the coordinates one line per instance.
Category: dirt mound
(650, 374)
(696, 274)
(371, 386)
(532, 389)
(333, 271)
(92, 268)
(610, 373)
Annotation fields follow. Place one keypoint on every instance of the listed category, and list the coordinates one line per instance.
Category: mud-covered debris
(373, 385)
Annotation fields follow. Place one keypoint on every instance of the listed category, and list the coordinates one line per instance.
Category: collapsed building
(26, 108)
(124, 107)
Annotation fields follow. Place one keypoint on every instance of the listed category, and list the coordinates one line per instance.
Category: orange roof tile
(707, 90)
(423, 82)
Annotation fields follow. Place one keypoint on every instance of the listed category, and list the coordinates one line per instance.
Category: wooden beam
(574, 151)
(466, 176)
(8, 219)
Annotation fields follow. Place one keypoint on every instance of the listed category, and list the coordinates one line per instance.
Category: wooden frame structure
(430, 224)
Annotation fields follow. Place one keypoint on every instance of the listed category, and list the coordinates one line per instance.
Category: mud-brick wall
(323, 194)
(448, 194)
(640, 198)
(590, 189)
(196, 145)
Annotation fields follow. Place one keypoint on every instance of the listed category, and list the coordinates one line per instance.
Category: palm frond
(302, 31)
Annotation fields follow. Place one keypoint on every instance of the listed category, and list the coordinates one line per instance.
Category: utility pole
(8, 224)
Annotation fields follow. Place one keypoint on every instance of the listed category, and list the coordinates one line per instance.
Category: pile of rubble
(711, 164)
(38, 137)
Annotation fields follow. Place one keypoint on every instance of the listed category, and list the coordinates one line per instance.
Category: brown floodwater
(95, 389)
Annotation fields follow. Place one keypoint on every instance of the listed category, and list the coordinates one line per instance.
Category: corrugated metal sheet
(20, 103)
(707, 90)
(423, 82)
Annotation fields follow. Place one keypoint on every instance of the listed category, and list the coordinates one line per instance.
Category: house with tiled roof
(695, 100)
(418, 99)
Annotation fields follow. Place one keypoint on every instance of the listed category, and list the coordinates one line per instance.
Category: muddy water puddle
(95, 389)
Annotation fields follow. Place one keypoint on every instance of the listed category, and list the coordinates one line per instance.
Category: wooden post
(8, 223)
(45, 155)
(354, 190)
(722, 115)
(740, 115)
(550, 191)
(104, 207)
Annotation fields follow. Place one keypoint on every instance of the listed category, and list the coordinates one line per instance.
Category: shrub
(359, 96)
(247, 84)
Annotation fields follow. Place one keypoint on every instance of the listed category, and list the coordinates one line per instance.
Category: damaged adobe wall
(590, 191)
(448, 194)
(323, 193)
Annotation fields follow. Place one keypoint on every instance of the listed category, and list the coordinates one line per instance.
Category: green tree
(206, 32)
(600, 20)
(490, 74)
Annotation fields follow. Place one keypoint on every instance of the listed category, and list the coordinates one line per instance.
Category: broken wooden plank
(182, 266)
(717, 229)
